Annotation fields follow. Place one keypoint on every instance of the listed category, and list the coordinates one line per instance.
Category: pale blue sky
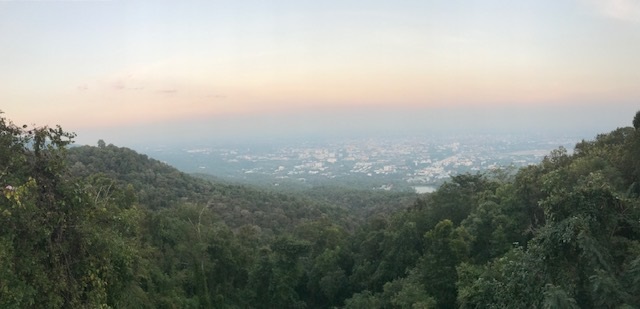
(96, 65)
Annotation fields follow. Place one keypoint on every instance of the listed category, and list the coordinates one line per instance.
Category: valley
(398, 164)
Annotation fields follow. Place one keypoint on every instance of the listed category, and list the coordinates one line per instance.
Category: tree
(446, 248)
(59, 248)
(363, 300)
(636, 121)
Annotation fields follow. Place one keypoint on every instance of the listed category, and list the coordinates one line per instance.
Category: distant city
(419, 164)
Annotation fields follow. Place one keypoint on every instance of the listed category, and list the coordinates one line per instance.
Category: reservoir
(424, 189)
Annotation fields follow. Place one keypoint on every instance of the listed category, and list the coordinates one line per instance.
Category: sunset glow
(89, 64)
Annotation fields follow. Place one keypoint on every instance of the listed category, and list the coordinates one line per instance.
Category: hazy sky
(101, 68)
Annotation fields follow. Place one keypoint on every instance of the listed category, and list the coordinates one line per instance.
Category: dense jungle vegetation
(106, 227)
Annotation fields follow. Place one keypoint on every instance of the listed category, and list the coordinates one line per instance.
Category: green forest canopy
(88, 227)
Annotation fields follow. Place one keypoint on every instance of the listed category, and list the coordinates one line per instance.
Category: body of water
(424, 189)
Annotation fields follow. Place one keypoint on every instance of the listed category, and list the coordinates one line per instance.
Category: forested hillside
(156, 186)
(87, 227)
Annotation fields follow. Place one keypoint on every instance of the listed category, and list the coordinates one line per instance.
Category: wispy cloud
(128, 83)
(119, 85)
(622, 10)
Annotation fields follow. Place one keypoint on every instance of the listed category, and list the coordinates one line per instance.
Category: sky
(130, 70)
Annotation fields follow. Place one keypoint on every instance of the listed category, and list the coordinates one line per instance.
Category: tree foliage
(99, 227)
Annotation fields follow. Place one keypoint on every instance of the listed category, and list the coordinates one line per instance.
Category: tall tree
(61, 248)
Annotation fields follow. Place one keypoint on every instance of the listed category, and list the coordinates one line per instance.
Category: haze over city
(128, 71)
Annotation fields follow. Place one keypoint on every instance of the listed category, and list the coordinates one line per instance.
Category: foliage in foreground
(106, 227)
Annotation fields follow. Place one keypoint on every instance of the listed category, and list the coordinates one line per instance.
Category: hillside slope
(157, 185)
